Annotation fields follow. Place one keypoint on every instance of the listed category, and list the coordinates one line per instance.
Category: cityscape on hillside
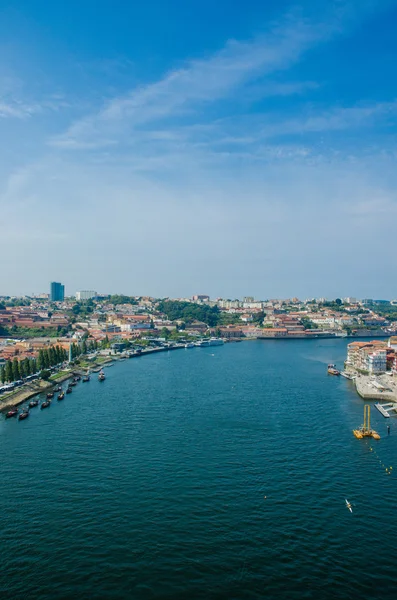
(44, 337)
(117, 323)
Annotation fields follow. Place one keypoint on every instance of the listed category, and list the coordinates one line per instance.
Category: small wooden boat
(58, 388)
(85, 378)
(101, 376)
(45, 404)
(61, 396)
(69, 390)
(50, 395)
(72, 383)
(33, 403)
(23, 415)
(77, 378)
(12, 413)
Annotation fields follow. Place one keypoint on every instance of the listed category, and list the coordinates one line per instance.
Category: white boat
(216, 341)
(189, 345)
(349, 506)
(203, 343)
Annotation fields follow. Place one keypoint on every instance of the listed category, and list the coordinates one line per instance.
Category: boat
(189, 345)
(50, 395)
(332, 370)
(12, 413)
(23, 415)
(58, 388)
(101, 376)
(69, 390)
(77, 378)
(86, 378)
(216, 341)
(45, 404)
(203, 343)
(33, 403)
(349, 506)
(72, 384)
(61, 396)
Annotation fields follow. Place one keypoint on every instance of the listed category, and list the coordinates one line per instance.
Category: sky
(196, 147)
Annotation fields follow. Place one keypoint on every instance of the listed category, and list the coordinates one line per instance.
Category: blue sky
(181, 147)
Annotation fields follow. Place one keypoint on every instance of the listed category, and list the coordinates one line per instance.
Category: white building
(376, 362)
(86, 295)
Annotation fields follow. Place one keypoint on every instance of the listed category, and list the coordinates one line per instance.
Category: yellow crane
(365, 429)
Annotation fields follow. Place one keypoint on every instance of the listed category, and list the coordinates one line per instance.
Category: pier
(385, 408)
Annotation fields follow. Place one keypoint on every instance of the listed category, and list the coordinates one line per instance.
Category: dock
(385, 408)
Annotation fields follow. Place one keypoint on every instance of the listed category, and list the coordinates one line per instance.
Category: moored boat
(101, 376)
(69, 390)
(12, 413)
(50, 395)
(61, 396)
(23, 415)
(85, 378)
(58, 388)
(332, 370)
(33, 403)
(45, 404)
(216, 341)
(189, 345)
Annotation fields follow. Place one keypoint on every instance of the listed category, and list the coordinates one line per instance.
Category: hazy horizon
(168, 150)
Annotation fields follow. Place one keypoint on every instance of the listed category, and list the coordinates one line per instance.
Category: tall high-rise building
(57, 293)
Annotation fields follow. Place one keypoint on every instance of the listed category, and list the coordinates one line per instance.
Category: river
(203, 473)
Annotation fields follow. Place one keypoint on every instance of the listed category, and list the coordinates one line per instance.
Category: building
(57, 293)
(248, 299)
(85, 295)
(200, 298)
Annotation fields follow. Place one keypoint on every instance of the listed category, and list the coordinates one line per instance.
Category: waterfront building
(57, 292)
(376, 361)
(248, 299)
(85, 295)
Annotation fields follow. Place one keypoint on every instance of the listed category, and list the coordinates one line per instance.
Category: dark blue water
(152, 484)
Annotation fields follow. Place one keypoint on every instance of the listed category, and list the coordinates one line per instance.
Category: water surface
(152, 484)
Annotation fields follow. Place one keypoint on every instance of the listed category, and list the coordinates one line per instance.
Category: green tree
(40, 360)
(22, 370)
(84, 347)
(9, 371)
(165, 333)
(46, 358)
(33, 366)
(27, 367)
(15, 369)
(52, 356)
(3, 375)
(45, 374)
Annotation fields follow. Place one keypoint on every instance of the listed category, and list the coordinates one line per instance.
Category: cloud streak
(201, 82)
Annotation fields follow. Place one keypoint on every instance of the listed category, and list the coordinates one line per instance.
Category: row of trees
(83, 348)
(19, 369)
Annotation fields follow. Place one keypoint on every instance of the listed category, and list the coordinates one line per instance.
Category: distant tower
(70, 352)
(57, 293)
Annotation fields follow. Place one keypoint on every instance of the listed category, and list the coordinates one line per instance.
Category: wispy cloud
(201, 82)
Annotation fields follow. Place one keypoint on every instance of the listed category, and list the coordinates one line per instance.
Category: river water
(214, 473)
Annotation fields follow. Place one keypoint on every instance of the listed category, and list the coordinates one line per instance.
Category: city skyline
(219, 149)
